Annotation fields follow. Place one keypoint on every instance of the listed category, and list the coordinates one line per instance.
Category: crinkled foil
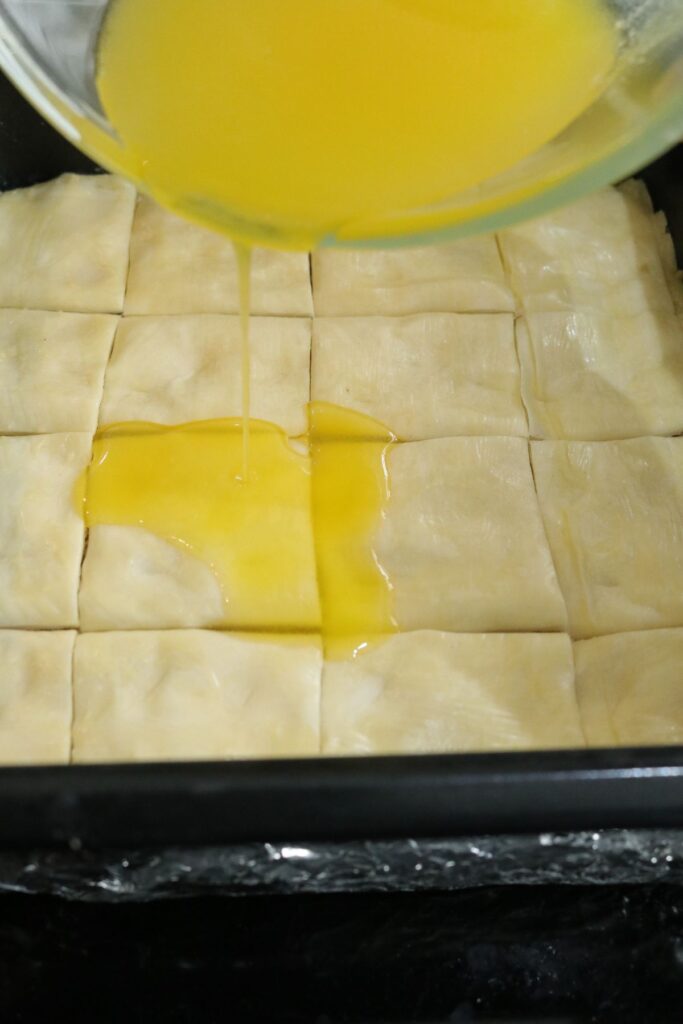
(607, 857)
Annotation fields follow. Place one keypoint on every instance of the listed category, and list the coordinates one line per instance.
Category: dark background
(549, 954)
(515, 954)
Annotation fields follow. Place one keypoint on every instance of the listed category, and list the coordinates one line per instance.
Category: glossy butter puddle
(186, 485)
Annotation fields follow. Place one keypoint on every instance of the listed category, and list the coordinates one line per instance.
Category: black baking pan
(133, 806)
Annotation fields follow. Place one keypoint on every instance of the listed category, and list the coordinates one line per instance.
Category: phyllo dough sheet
(178, 267)
(64, 244)
(461, 539)
(422, 376)
(195, 694)
(176, 369)
(41, 530)
(596, 376)
(613, 512)
(52, 369)
(465, 276)
(429, 691)
(602, 254)
(35, 696)
(502, 555)
(630, 688)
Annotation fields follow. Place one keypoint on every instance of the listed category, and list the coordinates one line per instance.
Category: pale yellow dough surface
(35, 697)
(178, 267)
(630, 688)
(64, 244)
(423, 376)
(133, 579)
(613, 512)
(176, 369)
(52, 369)
(461, 539)
(191, 694)
(41, 532)
(588, 376)
(465, 276)
(430, 692)
(602, 254)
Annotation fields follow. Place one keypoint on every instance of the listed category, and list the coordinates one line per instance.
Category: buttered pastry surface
(461, 527)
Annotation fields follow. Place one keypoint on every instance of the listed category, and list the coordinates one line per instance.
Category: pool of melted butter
(292, 545)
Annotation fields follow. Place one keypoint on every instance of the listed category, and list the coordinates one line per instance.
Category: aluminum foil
(583, 858)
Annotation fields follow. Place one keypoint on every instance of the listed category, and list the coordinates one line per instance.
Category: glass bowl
(48, 48)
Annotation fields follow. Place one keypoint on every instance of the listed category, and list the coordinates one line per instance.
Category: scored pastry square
(591, 376)
(176, 539)
(175, 369)
(178, 267)
(134, 579)
(461, 539)
(64, 244)
(630, 688)
(195, 694)
(52, 369)
(431, 692)
(41, 530)
(465, 276)
(613, 512)
(35, 696)
(422, 376)
(601, 254)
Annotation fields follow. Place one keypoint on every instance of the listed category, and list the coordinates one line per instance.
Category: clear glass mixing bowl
(47, 47)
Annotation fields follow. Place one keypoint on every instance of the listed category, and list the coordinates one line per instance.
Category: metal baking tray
(336, 800)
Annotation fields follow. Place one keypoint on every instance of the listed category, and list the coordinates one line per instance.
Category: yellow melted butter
(287, 121)
(350, 488)
(261, 538)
